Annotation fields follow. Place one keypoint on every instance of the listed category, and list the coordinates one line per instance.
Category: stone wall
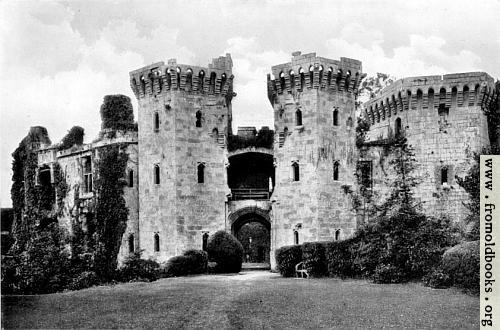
(443, 119)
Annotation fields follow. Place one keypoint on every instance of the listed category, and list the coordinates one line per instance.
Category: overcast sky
(59, 59)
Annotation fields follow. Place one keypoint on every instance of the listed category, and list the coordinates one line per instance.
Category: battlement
(308, 71)
(157, 78)
(416, 93)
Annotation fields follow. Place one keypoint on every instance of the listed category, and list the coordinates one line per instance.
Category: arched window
(213, 77)
(204, 243)
(295, 171)
(337, 234)
(201, 173)
(336, 171)
(198, 118)
(292, 78)
(347, 80)
(131, 178)
(157, 242)
(339, 78)
(302, 79)
(296, 237)
(320, 74)
(189, 79)
(335, 117)
(223, 82)
(430, 98)
(454, 97)
(143, 84)
(349, 122)
(282, 82)
(157, 174)
(298, 117)
(156, 121)
(444, 175)
(419, 99)
(168, 76)
(131, 247)
(215, 135)
(311, 76)
(465, 94)
(178, 77)
(329, 76)
(201, 80)
(398, 129)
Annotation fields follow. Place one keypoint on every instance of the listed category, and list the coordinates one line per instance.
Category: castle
(185, 181)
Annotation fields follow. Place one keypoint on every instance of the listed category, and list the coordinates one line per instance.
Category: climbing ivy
(74, 137)
(111, 211)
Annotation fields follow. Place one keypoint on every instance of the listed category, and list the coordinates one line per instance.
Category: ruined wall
(443, 120)
(184, 117)
(315, 205)
(79, 202)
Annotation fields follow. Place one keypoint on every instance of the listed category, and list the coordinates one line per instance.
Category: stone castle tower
(315, 152)
(184, 116)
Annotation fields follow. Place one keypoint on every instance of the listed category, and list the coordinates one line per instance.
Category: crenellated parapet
(428, 92)
(308, 71)
(158, 78)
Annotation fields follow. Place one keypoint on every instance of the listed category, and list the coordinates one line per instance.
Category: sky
(59, 59)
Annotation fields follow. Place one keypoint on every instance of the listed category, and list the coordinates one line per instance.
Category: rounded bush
(137, 269)
(286, 259)
(461, 263)
(198, 261)
(226, 251)
(177, 266)
(83, 281)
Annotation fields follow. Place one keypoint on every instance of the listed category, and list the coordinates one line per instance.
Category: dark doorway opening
(253, 232)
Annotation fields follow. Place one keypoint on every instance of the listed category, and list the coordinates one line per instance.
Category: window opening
(157, 242)
(201, 173)
(296, 173)
(157, 173)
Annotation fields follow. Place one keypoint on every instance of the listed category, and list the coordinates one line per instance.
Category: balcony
(250, 193)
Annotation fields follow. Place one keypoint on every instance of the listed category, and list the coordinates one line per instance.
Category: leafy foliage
(190, 262)
(136, 269)
(263, 139)
(340, 257)
(362, 127)
(286, 259)
(117, 113)
(461, 263)
(74, 137)
(111, 210)
(84, 280)
(224, 249)
(314, 257)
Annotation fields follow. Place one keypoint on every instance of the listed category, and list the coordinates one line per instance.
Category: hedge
(314, 257)
(286, 259)
(340, 256)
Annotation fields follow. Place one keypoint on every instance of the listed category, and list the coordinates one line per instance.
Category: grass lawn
(250, 300)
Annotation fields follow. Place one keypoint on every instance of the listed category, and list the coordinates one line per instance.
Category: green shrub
(136, 269)
(438, 279)
(198, 261)
(340, 257)
(386, 273)
(286, 259)
(461, 263)
(83, 281)
(190, 262)
(226, 251)
(313, 255)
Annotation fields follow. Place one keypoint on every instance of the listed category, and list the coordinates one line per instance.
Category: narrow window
(292, 79)
(337, 234)
(329, 76)
(157, 174)
(454, 97)
(430, 98)
(349, 122)
(311, 76)
(336, 117)
(419, 99)
(201, 80)
(178, 78)
(397, 127)
(298, 117)
(213, 77)
(444, 175)
(205, 241)
(223, 82)
(336, 171)
(215, 135)
(131, 247)
(198, 118)
(168, 76)
(282, 82)
(160, 79)
(157, 242)
(87, 174)
(131, 178)
(465, 96)
(296, 237)
(156, 121)
(339, 78)
(201, 173)
(295, 169)
(302, 79)
(143, 84)
(189, 80)
(320, 74)
(347, 80)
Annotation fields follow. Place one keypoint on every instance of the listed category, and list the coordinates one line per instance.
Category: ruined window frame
(156, 174)
(295, 171)
(156, 239)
